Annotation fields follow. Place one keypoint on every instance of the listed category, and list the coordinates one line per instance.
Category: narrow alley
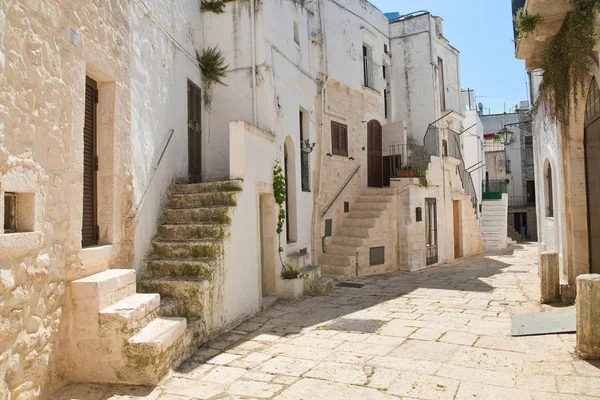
(442, 333)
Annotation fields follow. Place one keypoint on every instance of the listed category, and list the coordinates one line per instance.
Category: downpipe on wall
(253, 55)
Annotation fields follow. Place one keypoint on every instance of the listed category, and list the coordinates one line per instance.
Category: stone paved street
(446, 335)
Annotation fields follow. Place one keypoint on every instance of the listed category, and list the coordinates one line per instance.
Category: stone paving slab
(444, 334)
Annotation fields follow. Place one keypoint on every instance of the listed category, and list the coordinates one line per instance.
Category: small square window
(296, 33)
(19, 212)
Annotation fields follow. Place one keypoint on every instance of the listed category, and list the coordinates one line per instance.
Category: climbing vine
(568, 61)
(525, 23)
(280, 194)
(212, 66)
(215, 6)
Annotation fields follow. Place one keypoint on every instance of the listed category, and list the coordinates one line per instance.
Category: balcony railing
(521, 201)
(493, 189)
(454, 145)
(452, 100)
(373, 74)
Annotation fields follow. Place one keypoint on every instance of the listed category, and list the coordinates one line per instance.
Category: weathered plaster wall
(164, 39)
(472, 150)
(42, 80)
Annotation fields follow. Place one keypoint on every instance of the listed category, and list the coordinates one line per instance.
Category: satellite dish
(480, 107)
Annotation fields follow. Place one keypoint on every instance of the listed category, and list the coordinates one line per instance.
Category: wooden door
(592, 166)
(89, 227)
(194, 133)
(374, 155)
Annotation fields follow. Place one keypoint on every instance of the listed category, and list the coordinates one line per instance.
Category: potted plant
(291, 283)
(404, 171)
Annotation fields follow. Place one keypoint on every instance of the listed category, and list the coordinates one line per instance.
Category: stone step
(201, 200)
(194, 336)
(364, 214)
(217, 215)
(341, 249)
(103, 289)
(320, 286)
(187, 248)
(191, 292)
(336, 259)
(233, 185)
(374, 199)
(371, 206)
(360, 222)
(130, 314)
(336, 271)
(170, 307)
(379, 192)
(346, 240)
(152, 350)
(198, 267)
(354, 232)
(186, 232)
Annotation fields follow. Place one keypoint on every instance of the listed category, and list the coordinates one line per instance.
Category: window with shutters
(304, 156)
(339, 139)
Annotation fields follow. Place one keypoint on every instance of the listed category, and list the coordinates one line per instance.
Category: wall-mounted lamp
(351, 158)
(329, 155)
(307, 147)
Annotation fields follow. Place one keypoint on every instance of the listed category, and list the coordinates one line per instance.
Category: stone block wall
(46, 50)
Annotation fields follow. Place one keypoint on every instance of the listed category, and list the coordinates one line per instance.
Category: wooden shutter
(194, 133)
(374, 154)
(89, 228)
(304, 158)
(339, 139)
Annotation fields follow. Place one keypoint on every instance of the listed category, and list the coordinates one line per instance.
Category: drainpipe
(325, 68)
(253, 51)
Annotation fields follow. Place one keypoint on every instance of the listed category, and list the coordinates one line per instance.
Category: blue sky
(482, 31)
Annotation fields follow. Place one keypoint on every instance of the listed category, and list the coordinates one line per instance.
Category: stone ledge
(20, 241)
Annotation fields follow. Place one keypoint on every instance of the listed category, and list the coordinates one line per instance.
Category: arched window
(549, 194)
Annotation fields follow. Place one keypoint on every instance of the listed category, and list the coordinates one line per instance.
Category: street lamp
(505, 136)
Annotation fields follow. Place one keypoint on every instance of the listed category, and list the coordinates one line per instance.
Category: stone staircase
(186, 264)
(353, 237)
(494, 222)
(117, 335)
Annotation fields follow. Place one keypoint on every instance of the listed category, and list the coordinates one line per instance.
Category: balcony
(521, 201)
(552, 13)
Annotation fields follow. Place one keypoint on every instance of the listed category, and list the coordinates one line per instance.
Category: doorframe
(433, 259)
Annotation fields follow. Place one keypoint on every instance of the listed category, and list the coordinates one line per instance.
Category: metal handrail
(171, 132)
(340, 191)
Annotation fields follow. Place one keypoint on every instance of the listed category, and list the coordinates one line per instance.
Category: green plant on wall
(215, 6)
(525, 23)
(213, 69)
(422, 174)
(280, 194)
(568, 61)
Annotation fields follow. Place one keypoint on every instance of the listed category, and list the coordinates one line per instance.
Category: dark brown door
(530, 193)
(89, 228)
(592, 166)
(374, 155)
(194, 133)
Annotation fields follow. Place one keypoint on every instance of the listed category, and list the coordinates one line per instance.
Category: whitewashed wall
(472, 151)
(164, 39)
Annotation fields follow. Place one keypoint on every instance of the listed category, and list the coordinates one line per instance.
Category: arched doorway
(374, 155)
(592, 166)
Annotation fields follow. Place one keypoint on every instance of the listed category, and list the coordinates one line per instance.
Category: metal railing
(373, 74)
(520, 201)
(454, 145)
(465, 176)
(494, 186)
(340, 191)
(402, 159)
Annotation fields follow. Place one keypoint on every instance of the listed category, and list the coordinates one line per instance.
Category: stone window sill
(20, 240)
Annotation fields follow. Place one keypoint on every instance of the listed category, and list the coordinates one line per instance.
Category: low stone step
(336, 271)
(336, 259)
(186, 248)
(360, 222)
(373, 199)
(185, 232)
(388, 191)
(130, 314)
(207, 187)
(371, 206)
(364, 214)
(341, 249)
(151, 351)
(346, 240)
(201, 200)
(170, 307)
(320, 286)
(199, 267)
(215, 215)
(191, 292)
(103, 289)
(354, 232)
